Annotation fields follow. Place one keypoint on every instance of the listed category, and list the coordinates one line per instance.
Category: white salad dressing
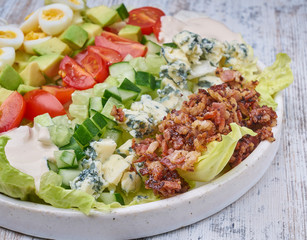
(204, 26)
(28, 150)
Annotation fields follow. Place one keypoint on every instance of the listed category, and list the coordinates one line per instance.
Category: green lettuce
(213, 161)
(13, 182)
(51, 192)
(273, 79)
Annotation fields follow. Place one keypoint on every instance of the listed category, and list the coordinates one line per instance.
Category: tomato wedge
(11, 112)
(121, 45)
(157, 28)
(109, 55)
(74, 75)
(145, 17)
(39, 102)
(96, 66)
(63, 94)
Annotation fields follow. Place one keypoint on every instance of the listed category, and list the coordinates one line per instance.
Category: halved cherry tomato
(145, 17)
(157, 28)
(122, 45)
(74, 75)
(109, 55)
(39, 102)
(63, 94)
(11, 112)
(96, 66)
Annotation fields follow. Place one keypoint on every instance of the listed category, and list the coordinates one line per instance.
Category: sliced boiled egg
(33, 39)
(55, 18)
(11, 36)
(7, 56)
(30, 23)
(75, 5)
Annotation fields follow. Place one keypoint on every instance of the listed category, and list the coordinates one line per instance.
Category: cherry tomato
(11, 112)
(74, 75)
(39, 102)
(96, 66)
(145, 17)
(109, 55)
(157, 28)
(122, 45)
(63, 94)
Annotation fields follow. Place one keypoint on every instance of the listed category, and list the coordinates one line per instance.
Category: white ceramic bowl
(146, 219)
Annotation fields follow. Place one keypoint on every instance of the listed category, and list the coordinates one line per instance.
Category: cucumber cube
(145, 79)
(128, 85)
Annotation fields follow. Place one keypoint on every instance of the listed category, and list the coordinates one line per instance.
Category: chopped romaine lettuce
(212, 162)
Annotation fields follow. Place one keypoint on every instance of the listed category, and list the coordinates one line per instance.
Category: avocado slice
(52, 46)
(75, 36)
(10, 78)
(4, 94)
(49, 64)
(92, 29)
(102, 15)
(21, 60)
(131, 32)
(23, 89)
(32, 75)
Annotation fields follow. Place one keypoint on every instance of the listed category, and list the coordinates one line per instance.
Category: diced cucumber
(108, 198)
(44, 120)
(65, 159)
(99, 120)
(83, 136)
(172, 45)
(139, 64)
(127, 95)
(62, 120)
(73, 145)
(60, 134)
(121, 71)
(110, 81)
(114, 134)
(80, 97)
(128, 85)
(91, 127)
(122, 11)
(152, 48)
(78, 111)
(110, 123)
(150, 37)
(112, 92)
(145, 79)
(154, 62)
(98, 89)
(68, 175)
(52, 166)
(95, 104)
(109, 105)
(158, 84)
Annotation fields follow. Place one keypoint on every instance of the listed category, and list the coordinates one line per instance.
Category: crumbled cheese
(130, 182)
(104, 148)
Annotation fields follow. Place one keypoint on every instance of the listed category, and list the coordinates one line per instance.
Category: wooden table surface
(276, 207)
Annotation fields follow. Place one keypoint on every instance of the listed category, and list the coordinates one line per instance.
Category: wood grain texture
(276, 207)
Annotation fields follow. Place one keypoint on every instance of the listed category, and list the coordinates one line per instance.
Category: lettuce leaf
(51, 192)
(13, 182)
(213, 161)
(273, 79)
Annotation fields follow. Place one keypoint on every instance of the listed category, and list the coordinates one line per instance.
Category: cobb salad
(104, 108)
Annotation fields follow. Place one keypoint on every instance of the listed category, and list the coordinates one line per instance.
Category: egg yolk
(75, 2)
(35, 35)
(7, 34)
(27, 17)
(52, 14)
(1, 51)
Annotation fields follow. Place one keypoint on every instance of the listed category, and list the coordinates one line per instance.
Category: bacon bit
(118, 113)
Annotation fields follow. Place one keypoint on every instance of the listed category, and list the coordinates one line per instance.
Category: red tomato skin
(121, 45)
(109, 55)
(157, 28)
(39, 102)
(12, 111)
(145, 17)
(96, 66)
(74, 75)
(63, 94)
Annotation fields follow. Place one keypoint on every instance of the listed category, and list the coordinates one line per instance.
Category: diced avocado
(92, 29)
(102, 15)
(52, 46)
(21, 60)
(49, 64)
(89, 42)
(131, 32)
(32, 75)
(23, 89)
(4, 94)
(9, 78)
(75, 36)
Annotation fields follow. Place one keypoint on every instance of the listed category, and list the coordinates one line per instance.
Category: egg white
(31, 23)
(30, 44)
(55, 27)
(7, 56)
(75, 5)
(15, 40)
